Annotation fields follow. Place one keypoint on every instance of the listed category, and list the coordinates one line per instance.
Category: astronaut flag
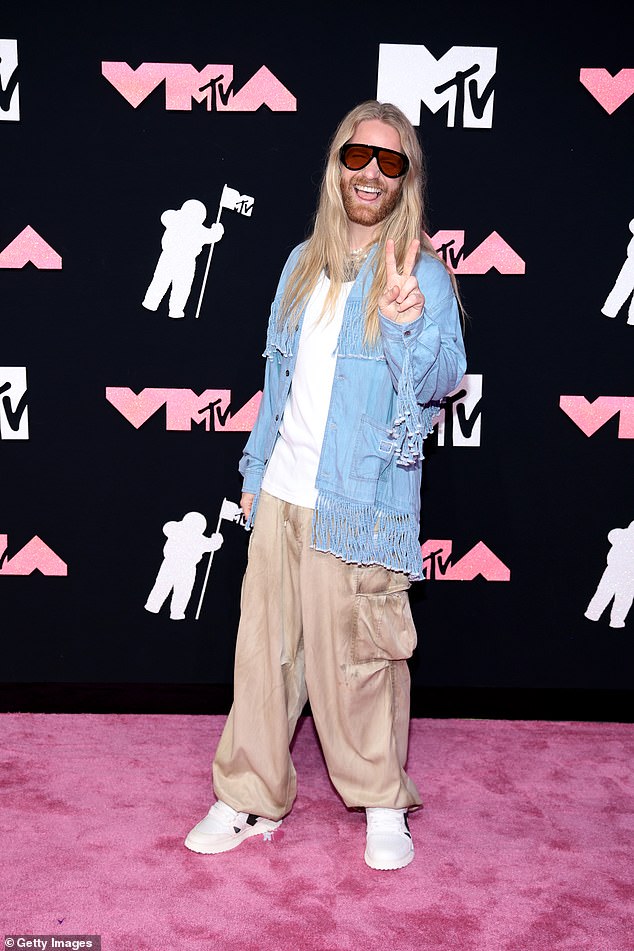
(232, 513)
(234, 201)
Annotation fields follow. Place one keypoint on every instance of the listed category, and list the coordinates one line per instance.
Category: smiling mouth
(367, 193)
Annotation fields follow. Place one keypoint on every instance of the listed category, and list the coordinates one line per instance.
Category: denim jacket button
(288, 373)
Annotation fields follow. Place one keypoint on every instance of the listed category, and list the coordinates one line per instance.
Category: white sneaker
(388, 842)
(223, 828)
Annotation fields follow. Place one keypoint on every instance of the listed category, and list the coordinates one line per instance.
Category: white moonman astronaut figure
(617, 580)
(186, 544)
(183, 240)
(623, 286)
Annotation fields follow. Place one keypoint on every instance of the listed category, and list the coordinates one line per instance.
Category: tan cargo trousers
(312, 625)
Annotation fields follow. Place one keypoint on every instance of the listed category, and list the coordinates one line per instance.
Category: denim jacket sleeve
(425, 358)
(253, 461)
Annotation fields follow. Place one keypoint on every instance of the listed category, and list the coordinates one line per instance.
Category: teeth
(367, 188)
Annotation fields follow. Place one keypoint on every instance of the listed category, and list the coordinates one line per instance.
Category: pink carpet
(524, 844)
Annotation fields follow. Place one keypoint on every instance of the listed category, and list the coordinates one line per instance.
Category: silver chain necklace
(353, 262)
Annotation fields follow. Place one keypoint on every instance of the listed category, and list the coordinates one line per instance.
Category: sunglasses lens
(391, 164)
(356, 156)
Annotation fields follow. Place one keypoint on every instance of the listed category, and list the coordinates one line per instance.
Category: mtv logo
(461, 80)
(492, 253)
(14, 414)
(609, 91)
(479, 560)
(212, 84)
(184, 407)
(461, 415)
(30, 248)
(591, 416)
(35, 556)
(9, 87)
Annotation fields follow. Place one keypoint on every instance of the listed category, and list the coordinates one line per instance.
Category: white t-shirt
(292, 468)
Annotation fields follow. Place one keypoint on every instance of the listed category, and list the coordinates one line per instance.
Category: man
(363, 342)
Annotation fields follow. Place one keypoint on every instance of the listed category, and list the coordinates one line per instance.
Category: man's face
(368, 196)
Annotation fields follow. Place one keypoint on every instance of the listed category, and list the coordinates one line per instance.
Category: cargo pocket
(383, 628)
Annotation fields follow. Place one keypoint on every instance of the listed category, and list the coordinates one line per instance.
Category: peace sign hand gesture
(402, 299)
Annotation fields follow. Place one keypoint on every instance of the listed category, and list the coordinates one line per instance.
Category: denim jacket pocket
(373, 450)
(383, 628)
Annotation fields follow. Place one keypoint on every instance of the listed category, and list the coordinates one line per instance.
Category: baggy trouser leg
(253, 770)
(358, 632)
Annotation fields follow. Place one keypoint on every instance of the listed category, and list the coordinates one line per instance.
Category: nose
(372, 170)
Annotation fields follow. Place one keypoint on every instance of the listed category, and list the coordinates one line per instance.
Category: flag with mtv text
(231, 512)
(234, 201)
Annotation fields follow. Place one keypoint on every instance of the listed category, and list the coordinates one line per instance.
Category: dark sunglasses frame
(376, 152)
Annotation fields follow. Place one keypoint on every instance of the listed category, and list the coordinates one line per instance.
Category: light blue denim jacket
(381, 408)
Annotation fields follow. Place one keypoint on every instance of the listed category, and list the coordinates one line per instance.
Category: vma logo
(591, 416)
(609, 91)
(460, 81)
(493, 252)
(460, 417)
(35, 556)
(30, 248)
(212, 84)
(14, 416)
(479, 560)
(184, 407)
(9, 88)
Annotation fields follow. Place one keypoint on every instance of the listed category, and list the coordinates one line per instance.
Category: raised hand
(402, 300)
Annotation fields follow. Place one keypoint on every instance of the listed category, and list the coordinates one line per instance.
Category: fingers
(402, 296)
(246, 503)
(388, 297)
(412, 305)
(408, 286)
(390, 262)
(408, 264)
(410, 258)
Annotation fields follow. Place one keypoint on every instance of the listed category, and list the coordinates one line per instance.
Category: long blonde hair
(328, 245)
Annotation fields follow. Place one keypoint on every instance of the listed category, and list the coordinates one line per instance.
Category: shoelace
(225, 815)
(385, 820)
(224, 812)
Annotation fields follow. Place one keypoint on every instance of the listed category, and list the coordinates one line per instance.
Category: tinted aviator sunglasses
(355, 157)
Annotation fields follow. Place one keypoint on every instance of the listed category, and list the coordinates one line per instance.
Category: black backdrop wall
(116, 419)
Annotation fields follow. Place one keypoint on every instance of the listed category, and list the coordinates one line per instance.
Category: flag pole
(211, 249)
(211, 558)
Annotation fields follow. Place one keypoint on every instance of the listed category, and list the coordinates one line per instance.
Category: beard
(370, 214)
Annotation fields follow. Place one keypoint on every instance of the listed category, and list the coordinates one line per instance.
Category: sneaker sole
(389, 867)
(202, 845)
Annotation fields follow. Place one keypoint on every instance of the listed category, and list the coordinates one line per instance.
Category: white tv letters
(462, 80)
